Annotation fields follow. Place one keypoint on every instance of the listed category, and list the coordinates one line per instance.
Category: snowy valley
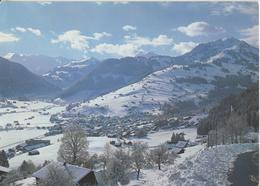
(150, 100)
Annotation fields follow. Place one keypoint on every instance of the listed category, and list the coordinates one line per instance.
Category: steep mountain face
(112, 74)
(38, 64)
(244, 105)
(66, 75)
(210, 72)
(17, 81)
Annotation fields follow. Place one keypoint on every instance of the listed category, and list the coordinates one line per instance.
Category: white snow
(12, 137)
(200, 167)
(96, 145)
(26, 182)
(26, 109)
(149, 94)
(157, 138)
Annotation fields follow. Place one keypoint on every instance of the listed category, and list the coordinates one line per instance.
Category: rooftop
(76, 172)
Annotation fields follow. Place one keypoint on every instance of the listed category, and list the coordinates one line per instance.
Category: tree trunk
(208, 140)
(138, 174)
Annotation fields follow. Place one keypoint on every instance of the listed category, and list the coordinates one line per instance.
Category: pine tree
(27, 168)
(3, 159)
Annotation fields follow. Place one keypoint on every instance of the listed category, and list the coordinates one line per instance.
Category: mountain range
(150, 82)
(112, 74)
(210, 72)
(68, 74)
(38, 64)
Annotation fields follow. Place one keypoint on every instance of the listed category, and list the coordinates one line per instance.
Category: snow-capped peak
(9, 55)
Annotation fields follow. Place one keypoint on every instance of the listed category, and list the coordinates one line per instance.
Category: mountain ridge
(18, 81)
(201, 83)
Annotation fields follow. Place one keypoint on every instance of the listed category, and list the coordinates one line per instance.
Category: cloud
(45, 3)
(249, 8)
(199, 28)
(116, 49)
(184, 47)
(120, 2)
(78, 41)
(128, 28)
(132, 45)
(34, 31)
(99, 3)
(145, 41)
(20, 29)
(4, 37)
(74, 38)
(251, 35)
(97, 36)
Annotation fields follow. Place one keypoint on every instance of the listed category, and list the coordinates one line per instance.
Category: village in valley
(162, 142)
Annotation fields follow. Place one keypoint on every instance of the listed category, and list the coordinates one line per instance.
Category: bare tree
(177, 137)
(3, 159)
(117, 168)
(74, 145)
(138, 153)
(56, 177)
(107, 154)
(27, 168)
(159, 155)
(91, 161)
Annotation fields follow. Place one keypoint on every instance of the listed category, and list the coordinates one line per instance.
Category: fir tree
(3, 159)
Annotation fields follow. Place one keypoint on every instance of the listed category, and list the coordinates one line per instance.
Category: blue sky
(102, 30)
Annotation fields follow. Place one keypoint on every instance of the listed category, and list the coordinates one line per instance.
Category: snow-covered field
(11, 137)
(96, 145)
(29, 113)
(201, 166)
(154, 139)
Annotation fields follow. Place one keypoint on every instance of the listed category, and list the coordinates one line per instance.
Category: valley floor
(96, 145)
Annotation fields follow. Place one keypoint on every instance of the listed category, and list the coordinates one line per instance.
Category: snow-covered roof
(181, 144)
(176, 150)
(26, 182)
(4, 169)
(76, 172)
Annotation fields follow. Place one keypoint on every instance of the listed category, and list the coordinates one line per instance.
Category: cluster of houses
(132, 125)
(54, 130)
(121, 142)
(127, 126)
(32, 144)
(29, 146)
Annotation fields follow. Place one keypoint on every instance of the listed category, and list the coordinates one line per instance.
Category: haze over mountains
(145, 82)
(38, 64)
(66, 75)
(17, 81)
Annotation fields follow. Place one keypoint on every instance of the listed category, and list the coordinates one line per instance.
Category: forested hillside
(235, 112)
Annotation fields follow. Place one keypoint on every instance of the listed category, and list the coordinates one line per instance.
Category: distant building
(32, 144)
(181, 144)
(80, 175)
(3, 172)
